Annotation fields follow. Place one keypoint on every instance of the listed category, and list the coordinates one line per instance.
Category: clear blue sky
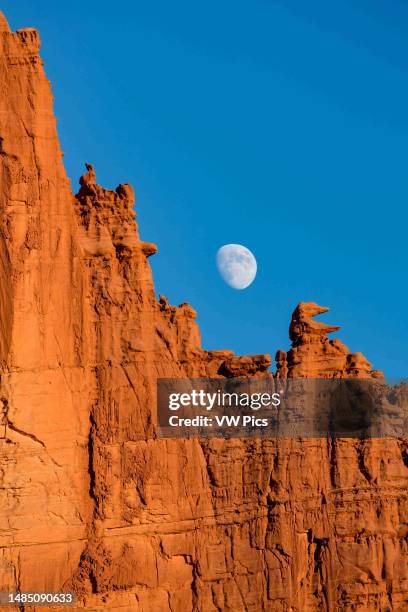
(279, 125)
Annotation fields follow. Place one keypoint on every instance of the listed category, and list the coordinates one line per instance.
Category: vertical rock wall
(44, 479)
(90, 499)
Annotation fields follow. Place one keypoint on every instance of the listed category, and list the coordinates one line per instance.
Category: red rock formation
(314, 355)
(90, 499)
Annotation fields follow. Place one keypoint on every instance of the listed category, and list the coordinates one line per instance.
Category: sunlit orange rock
(314, 354)
(90, 499)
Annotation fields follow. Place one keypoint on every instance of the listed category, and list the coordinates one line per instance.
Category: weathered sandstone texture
(314, 355)
(90, 499)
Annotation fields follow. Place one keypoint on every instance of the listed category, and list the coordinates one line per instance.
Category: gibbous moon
(237, 265)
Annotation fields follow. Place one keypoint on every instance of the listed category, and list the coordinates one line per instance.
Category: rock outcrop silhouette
(90, 498)
(314, 355)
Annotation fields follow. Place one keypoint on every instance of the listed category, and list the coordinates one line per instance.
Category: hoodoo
(90, 499)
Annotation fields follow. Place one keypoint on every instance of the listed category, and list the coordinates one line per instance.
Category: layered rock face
(314, 355)
(90, 499)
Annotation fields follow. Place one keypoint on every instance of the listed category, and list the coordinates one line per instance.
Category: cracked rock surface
(90, 499)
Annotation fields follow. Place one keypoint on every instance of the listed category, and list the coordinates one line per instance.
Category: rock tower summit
(4, 26)
(314, 354)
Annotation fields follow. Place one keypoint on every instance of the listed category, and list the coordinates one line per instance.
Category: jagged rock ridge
(314, 355)
(90, 499)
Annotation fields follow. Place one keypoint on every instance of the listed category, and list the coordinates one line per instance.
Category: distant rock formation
(314, 355)
(254, 365)
(90, 498)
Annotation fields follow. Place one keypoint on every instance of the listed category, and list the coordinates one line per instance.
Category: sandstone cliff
(314, 355)
(90, 499)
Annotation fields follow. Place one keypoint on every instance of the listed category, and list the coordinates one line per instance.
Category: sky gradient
(282, 126)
